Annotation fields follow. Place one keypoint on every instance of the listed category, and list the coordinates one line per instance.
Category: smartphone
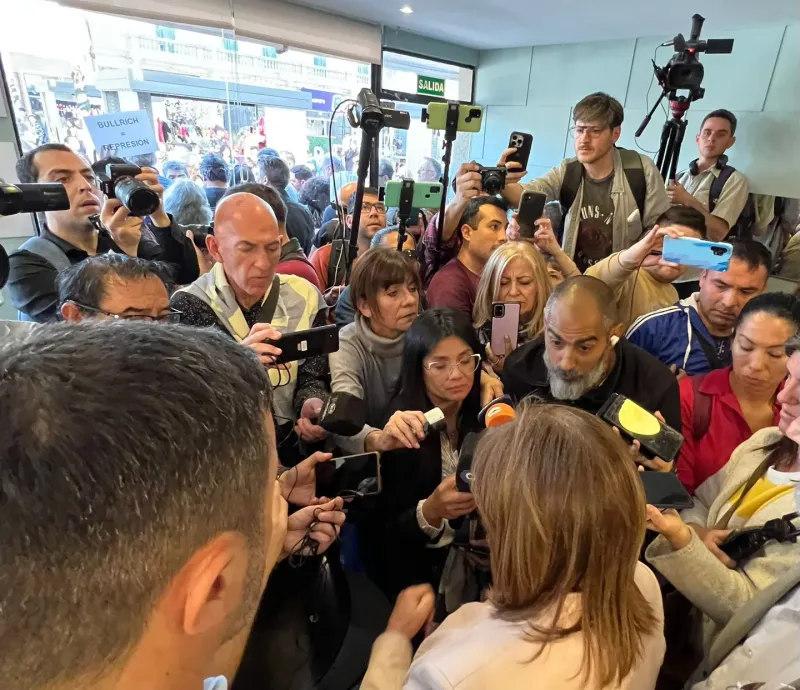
(357, 475)
(664, 490)
(470, 117)
(531, 209)
(305, 344)
(635, 423)
(505, 322)
(426, 194)
(523, 143)
(688, 251)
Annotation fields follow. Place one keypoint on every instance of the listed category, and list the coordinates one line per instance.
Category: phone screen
(664, 490)
(357, 475)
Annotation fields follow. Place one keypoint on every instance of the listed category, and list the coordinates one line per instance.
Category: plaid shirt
(428, 262)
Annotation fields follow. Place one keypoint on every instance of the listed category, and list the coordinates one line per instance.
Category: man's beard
(572, 385)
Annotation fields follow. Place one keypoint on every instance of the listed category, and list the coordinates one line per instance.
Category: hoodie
(368, 367)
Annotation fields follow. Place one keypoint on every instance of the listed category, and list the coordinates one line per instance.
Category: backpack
(634, 172)
(701, 415)
(742, 229)
(49, 251)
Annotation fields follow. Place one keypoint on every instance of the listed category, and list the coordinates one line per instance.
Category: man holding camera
(610, 195)
(71, 236)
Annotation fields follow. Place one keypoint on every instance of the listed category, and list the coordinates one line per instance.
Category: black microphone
(343, 414)
(32, 198)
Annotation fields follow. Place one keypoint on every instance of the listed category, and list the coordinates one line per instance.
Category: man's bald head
(246, 241)
(585, 293)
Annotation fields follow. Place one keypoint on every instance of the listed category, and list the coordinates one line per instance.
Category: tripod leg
(676, 151)
(662, 149)
(669, 152)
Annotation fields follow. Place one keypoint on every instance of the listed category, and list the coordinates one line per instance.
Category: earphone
(722, 161)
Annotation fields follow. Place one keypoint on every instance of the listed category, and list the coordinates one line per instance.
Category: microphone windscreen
(343, 414)
(499, 414)
(465, 455)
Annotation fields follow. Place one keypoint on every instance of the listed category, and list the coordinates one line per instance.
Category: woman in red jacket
(722, 409)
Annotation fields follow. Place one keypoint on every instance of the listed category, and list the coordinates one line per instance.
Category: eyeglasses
(367, 207)
(466, 365)
(173, 316)
(579, 130)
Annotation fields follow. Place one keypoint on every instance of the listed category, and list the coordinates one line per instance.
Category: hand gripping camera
(136, 196)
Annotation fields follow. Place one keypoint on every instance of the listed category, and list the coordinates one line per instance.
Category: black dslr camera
(493, 180)
(136, 196)
(743, 543)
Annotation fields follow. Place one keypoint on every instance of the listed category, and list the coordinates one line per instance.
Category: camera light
(407, 9)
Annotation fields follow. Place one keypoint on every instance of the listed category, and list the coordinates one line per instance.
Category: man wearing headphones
(710, 185)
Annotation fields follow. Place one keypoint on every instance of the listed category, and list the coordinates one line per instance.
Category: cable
(647, 102)
(339, 213)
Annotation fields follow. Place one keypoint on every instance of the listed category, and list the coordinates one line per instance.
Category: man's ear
(349, 220)
(71, 312)
(615, 134)
(733, 141)
(466, 232)
(616, 333)
(212, 244)
(207, 592)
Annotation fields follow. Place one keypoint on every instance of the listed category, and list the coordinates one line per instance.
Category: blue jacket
(673, 336)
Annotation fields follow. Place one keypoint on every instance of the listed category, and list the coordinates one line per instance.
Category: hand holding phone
(505, 327)
(688, 251)
(531, 209)
(310, 343)
(261, 340)
(522, 144)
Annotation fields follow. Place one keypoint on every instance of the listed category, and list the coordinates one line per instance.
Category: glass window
(410, 75)
(203, 90)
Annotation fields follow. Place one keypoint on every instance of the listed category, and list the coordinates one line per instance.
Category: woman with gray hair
(187, 203)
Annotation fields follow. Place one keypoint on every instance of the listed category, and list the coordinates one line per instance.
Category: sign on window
(429, 86)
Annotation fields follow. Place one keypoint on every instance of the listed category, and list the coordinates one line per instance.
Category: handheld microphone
(498, 412)
(464, 469)
(343, 414)
(434, 421)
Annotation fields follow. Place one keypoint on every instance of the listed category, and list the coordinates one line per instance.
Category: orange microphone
(498, 412)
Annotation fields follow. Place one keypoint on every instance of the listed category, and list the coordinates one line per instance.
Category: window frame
(402, 96)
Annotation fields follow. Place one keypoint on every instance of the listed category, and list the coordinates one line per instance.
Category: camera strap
(708, 350)
(271, 303)
(751, 482)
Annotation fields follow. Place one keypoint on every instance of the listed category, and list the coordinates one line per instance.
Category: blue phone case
(688, 251)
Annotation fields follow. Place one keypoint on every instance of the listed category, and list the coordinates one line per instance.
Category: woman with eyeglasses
(407, 541)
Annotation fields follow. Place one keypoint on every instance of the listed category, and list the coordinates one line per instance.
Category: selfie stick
(450, 133)
(371, 118)
(404, 211)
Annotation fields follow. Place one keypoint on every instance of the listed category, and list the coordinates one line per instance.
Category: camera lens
(492, 183)
(136, 196)
(499, 310)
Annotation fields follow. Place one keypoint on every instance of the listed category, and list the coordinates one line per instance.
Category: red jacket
(701, 458)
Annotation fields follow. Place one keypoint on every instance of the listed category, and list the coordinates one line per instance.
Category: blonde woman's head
(515, 272)
(564, 513)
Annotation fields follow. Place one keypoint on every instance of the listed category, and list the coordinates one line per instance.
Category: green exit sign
(428, 86)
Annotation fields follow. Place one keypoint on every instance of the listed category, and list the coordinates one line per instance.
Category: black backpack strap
(717, 185)
(634, 172)
(573, 176)
(337, 264)
(708, 350)
(271, 303)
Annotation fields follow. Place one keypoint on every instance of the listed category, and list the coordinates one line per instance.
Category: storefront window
(203, 90)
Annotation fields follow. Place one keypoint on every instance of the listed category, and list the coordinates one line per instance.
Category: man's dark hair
(317, 193)
(378, 269)
(241, 173)
(595, 288)
(144, 160)
(302, 172)
(753, 253)
(275, 172)
(723, 114)
(351, 203)
(126, 448)
(472, 213)
(213, 168)
(169, 166)
(86, 283)
(99, 166)
(686, 216)
(385, 168)
(599, 107)
(268, 194)
(27, 172)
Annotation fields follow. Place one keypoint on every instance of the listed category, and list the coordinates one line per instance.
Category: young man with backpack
(716, 189)
(609, 195)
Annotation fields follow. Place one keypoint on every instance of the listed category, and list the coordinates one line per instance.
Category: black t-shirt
(596, 227)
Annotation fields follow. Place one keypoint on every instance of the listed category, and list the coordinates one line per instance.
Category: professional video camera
(682, 73)
(741, 544)
(136, 196)
(32, 198)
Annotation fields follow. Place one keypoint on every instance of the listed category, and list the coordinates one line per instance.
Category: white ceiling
(487, 24)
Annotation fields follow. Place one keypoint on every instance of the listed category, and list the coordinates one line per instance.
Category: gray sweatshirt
(366, 366)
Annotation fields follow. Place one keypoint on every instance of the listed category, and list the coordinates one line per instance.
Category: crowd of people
(153, 475)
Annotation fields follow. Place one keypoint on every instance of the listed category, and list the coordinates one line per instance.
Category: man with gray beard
(580, 359)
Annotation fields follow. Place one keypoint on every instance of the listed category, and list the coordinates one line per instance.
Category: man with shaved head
(580, 360)
(244, 297)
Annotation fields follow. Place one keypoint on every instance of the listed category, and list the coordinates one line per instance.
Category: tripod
(672, 135)
(450, 133)
(404, 211)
